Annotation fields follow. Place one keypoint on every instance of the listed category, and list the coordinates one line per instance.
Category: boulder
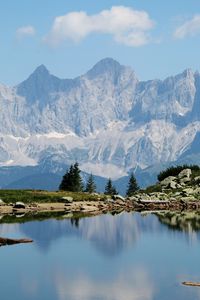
(172, 185)
(118, 197)
(178, 186)
(167, 181)
(19, 205)
(132, 198)
(109, 200)
(185, 173)
(184, 180)
(197, 191)
(67, 199)
(176, 194)
(188, 198)
(143, 196)
(188, 191)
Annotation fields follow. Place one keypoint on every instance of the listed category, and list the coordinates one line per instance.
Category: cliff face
(107, 120)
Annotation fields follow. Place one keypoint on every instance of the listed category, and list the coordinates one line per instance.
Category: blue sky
(156, 38)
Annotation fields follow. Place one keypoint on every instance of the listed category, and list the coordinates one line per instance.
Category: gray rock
(189, 198)
(67, 199)
(144, 197)
(185, 173)
(133, 198)
(176, 194)
(197, 191)
(188, 191)
(172, 185)
(109, 200)
(178, 186)
(184, 180)
(19, 205)
(168, 181)
(118, 197)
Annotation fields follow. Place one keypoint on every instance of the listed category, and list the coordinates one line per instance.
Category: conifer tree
(132, 186)
(109, 188)
(72, 180)
(90, 185)
(76, 179)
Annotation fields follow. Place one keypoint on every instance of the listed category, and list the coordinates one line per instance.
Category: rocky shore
(181, 192)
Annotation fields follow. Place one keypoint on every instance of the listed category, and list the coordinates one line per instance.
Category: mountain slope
(107, 120)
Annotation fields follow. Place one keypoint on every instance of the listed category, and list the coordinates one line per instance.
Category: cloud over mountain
(127, 26)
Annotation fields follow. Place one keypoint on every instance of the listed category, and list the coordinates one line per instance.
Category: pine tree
(110, 189)
(66, 183)
(76, 179)
(72, 180)
(90, 185)
(132, 186)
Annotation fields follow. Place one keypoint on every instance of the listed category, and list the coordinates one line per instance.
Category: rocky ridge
(107, 119)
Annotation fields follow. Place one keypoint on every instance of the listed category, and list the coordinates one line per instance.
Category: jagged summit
(42, 70)
(108, 65)
(38, 85)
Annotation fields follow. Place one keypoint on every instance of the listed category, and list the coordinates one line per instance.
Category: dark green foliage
(90, 185)
(72, 180)
(132, 186)
(174, 171)
(110, 189)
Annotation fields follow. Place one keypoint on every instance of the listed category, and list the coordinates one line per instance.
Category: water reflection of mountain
(109, 234)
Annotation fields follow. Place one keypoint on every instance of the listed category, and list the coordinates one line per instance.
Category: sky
(156, 38)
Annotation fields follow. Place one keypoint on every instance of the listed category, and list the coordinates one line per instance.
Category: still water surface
(124, 257)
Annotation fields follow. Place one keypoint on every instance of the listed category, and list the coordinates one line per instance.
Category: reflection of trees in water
(75, 222)
(182, 221)
(108, 234)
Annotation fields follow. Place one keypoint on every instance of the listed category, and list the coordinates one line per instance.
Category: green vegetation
(72, 180)
(90, 185)
(174, 171)
(110, 189)
(132, 186)
(31, 196)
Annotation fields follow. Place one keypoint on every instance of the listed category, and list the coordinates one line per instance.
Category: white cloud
(127, 26)
(189, 28)
(25, 31)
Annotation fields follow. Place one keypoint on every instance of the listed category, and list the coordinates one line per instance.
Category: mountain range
(107, 119)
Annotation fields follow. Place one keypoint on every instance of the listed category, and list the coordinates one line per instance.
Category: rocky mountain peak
(38, 85)
(106, 65)
(41, 70)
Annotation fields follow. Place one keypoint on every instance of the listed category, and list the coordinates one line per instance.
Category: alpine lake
(127, 256)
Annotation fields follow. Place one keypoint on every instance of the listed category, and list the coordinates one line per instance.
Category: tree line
(72, 181)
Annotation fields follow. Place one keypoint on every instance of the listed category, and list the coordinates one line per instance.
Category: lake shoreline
(99, 207)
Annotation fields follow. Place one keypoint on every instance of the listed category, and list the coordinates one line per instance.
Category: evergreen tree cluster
(110, 189)
(72, 182)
